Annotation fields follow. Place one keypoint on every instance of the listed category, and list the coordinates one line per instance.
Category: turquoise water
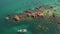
(17, 6)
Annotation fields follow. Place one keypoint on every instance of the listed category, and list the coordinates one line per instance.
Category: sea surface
(17, 6)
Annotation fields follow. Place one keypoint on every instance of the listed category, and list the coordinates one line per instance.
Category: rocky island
(39, 12)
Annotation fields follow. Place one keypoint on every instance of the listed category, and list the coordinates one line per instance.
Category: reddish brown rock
(33, 15)
(28, 11)
(41, 14)
(16, 18)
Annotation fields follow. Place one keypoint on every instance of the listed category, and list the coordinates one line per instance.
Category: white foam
(22, 30)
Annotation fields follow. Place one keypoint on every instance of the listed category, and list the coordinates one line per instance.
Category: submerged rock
(7, 18)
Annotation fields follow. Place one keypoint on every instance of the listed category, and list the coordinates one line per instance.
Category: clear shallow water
(16, 6)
